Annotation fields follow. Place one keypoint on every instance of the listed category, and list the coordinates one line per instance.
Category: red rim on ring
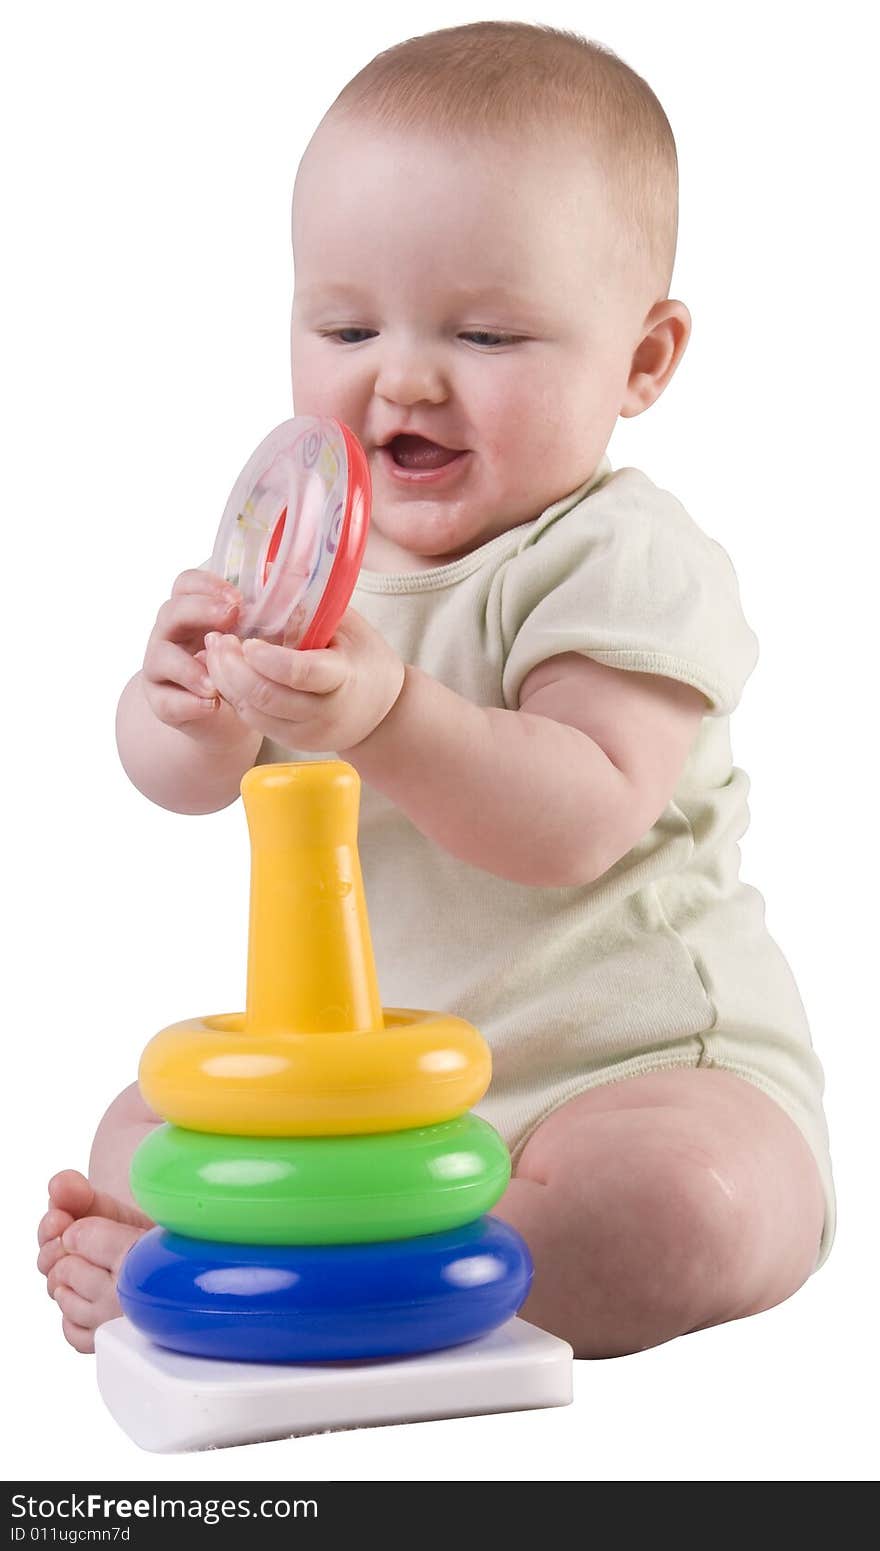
(352, 542)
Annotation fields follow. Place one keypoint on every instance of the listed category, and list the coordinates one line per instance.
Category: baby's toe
(85, 1294)
(80, 1339)
(100, 1241)
(49, 1257)
(52, 1225)
(71, 1192)
(75, 1308)
(82, 1276)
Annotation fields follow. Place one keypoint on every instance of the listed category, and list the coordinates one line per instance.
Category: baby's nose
(411, 376)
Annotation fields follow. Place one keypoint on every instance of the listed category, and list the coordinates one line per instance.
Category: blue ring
(316, 1303)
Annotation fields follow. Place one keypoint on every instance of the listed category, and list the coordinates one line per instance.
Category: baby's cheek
(526, 461)
(320, 380)
(519, 419)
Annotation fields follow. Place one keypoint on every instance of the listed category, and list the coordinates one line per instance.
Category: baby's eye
(338, 334)
(485, 337)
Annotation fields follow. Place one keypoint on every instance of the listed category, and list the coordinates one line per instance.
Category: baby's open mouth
(416, 452)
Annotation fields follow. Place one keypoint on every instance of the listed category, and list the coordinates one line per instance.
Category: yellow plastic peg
(310, 958)
(315, 1053)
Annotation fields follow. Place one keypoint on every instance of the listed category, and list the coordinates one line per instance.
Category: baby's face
(465, 293)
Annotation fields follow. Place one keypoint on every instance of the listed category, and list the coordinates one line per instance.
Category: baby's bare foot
(84, 1238)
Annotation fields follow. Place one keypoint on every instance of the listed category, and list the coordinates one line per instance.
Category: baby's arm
(551, 794)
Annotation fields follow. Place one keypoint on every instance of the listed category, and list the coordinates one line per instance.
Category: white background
(146, 296)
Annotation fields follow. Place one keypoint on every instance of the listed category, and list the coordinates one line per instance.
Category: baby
(534, 683)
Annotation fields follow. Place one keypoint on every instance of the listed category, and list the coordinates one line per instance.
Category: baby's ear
(666, 332)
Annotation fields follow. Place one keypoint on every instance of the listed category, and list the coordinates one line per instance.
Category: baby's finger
(179, 619)
(53, 1224)
(227, 669)
(104, 1243)
(248, 691)
(317, 672)
(176, 707)
(207, 582)
(168, 664)
(83, 1277)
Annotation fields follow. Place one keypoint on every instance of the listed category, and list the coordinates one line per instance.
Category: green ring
(320, 1189)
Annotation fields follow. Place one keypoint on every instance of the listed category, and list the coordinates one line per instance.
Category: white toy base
(168, 1402)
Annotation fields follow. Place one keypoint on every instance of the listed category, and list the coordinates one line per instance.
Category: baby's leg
(662, 1204)
(92, 1223)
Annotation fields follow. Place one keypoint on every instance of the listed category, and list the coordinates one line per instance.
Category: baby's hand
(176, 683)
(323, 700)
(84, 1238)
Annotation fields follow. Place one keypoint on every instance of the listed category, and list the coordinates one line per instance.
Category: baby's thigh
(687, 1161)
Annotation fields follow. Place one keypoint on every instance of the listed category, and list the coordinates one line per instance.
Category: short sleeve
(628, 578)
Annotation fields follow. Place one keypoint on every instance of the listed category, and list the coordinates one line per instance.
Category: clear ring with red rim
(293, 532)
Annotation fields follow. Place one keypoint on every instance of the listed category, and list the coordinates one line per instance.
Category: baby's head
(484, 229)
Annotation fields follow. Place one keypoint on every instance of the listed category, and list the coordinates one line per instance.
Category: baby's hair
(500, 77)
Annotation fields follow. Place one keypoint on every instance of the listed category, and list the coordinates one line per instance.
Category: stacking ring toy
(215, 1074)
(311, 973)
(320, 1190)
(292, 536)
(313, 1304)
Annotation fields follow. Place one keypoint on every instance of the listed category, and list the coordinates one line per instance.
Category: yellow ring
(211, 1074)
